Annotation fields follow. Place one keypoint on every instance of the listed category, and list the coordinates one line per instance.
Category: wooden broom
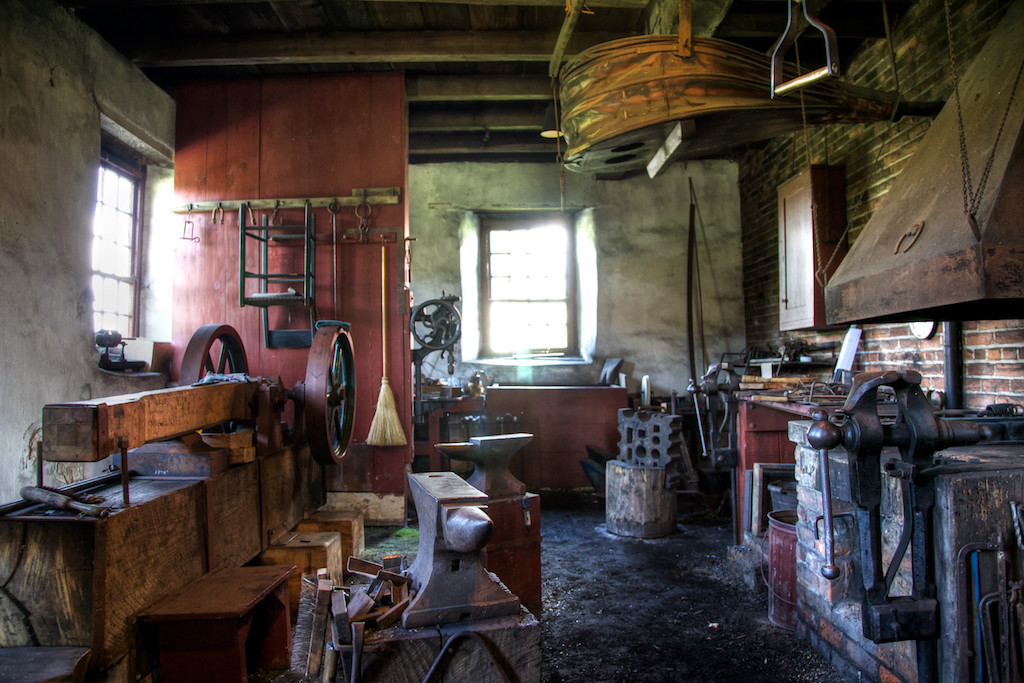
(386, 428)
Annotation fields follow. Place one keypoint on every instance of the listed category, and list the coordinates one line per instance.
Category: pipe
(953, 363)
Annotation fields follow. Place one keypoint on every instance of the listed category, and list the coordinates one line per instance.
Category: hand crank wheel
(209, 341)
(330, 394)
(436, 324)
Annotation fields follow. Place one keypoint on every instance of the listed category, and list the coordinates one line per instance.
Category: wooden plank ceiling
(477, 71)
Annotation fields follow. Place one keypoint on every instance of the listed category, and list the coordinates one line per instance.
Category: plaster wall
(640, 236)
(56, 78)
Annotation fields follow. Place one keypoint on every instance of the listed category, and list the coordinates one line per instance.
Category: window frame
(490, 222)
(136, 172)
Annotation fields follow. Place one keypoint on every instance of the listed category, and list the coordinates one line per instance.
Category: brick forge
(973, 495)
(829, 612)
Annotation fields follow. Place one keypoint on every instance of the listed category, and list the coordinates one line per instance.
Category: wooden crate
(81, 581)
(349, 525)
(307, 551)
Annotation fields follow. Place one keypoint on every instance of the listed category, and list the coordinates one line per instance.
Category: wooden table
(207, 628)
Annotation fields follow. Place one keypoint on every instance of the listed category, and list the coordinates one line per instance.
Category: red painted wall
(299, 137)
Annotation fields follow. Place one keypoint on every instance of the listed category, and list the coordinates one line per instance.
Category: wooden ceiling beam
(477, 88)
(373, 47)
(123, 4)
(480, 118)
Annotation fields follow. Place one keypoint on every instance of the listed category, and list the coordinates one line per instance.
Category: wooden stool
(43, 664)
(212, 628)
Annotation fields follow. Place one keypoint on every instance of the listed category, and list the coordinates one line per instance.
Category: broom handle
(383, 307)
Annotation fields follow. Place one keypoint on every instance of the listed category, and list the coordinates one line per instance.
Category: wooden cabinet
(814, 201)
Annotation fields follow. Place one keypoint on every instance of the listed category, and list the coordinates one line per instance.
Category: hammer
(61, 501)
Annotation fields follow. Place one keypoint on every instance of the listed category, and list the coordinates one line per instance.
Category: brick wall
(873, 155)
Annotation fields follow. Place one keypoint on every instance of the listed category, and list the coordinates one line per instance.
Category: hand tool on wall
(386, 428)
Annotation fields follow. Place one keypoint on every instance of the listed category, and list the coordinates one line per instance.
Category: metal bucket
(782, 568)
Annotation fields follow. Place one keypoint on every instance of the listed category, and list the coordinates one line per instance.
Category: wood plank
(291, 487)
(477, 88)
(88, 431)
(370, 47)
(113, 4)
(233, 514)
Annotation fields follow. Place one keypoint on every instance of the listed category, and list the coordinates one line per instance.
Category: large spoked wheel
(213, 348)
(436, 324)
(330, 394)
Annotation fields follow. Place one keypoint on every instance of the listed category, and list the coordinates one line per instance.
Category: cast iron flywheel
(209, 341)
(330, 394)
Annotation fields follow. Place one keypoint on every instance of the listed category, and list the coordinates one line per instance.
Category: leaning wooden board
(88, 431)
(79, 582)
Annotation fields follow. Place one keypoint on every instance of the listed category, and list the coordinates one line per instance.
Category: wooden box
(307, 551)
(81, 581)
(348, 525)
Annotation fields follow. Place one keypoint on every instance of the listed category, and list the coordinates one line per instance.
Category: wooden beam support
(88, 431)
(564, 36)
(362, 47)
(523, 117)
(124, 4)
(474, 145)
(477, 88)
(676, 142)
(685, 28)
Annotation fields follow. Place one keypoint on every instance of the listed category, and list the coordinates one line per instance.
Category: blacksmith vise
(448, 577)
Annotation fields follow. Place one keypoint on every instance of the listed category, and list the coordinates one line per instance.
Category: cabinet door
(816, 199)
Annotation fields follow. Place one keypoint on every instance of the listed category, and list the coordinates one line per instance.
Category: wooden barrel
(638, 503)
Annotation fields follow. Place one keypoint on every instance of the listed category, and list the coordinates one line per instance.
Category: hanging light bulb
(550, 128)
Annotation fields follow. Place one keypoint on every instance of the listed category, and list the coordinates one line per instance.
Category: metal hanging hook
(188, 228)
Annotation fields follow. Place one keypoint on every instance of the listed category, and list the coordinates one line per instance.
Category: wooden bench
(214, 627)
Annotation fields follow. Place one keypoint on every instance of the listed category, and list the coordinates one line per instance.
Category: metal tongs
(789, 36)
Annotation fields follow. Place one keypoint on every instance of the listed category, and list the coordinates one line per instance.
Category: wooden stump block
(398, 655)
(348, 525)
(43, 664)
(307, 551)
(638, 503)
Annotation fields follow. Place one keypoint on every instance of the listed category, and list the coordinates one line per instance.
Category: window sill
(530, 362)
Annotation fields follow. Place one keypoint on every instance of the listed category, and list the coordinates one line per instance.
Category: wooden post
(685, 28)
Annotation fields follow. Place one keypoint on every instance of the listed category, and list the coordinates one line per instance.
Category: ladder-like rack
(298, 288)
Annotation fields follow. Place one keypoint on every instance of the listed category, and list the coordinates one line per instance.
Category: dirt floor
(662, 610)
(669, 609)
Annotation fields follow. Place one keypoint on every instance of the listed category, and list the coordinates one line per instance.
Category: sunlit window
(115, 228)
(529, 290)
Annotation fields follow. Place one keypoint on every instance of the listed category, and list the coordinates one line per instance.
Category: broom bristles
(386, 428)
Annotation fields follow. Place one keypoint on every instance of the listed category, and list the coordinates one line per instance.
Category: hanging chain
(362, 211)
(878, 152)
(819, 272)
(972, 196)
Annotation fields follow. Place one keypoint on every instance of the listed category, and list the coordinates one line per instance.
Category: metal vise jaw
(918, 435)
(447, 575)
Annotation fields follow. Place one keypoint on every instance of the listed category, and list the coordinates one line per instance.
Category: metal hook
(213, 219)
(188, 229)
(273, 216)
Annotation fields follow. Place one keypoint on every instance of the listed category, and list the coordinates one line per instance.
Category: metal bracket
(788, 39)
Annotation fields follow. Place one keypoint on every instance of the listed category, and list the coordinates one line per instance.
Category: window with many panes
(114, 246)
(528, 289)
